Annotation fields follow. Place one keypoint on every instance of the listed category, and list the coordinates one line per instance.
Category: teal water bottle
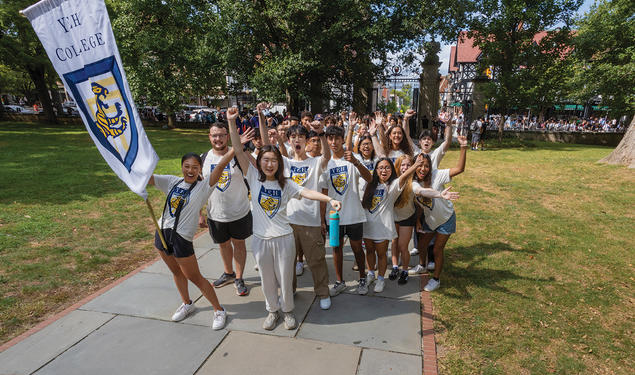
(334, 229)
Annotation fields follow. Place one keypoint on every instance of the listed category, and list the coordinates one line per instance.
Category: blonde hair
(406, 195)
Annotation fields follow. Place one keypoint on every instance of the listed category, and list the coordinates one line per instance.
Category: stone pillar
(429, 84)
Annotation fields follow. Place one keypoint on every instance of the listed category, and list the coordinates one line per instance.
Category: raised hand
(348, 156)
(372, 129)
(409, 113)
(262, 106)
(462, 140)
(232, 114)
(379, 118)
(247, 135)
(449, 195)
(352, 118)
(317, 126)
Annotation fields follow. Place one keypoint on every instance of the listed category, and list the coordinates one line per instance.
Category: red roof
(453, 67)
(466, 51)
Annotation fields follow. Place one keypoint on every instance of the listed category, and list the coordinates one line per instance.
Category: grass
(68, 225)
(538, 278)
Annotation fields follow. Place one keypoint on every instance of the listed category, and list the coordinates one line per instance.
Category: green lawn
(68, 225)
(538, 277)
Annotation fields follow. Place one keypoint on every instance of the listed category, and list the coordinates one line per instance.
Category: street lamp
(396, 71)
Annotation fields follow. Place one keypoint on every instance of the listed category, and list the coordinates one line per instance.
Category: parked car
(13, 108)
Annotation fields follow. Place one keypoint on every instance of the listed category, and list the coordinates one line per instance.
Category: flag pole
(156, 224)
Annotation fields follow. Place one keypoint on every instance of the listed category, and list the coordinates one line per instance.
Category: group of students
(369, 169)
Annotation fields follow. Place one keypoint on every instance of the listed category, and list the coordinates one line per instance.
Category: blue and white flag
(78, 39)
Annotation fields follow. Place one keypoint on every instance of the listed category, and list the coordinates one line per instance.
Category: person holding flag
(185, 198)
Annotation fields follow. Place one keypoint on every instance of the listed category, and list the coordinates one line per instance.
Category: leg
(370, 253)
(315, 258)
(240, 256)
(264, 258)
(424, 240)
(227, 254)
(382, 259)
(179, 278)
(405, 233)
(338, 260)
(283, 249)
(189, 266)
(439, 246)
(359, 256)
(394, 249)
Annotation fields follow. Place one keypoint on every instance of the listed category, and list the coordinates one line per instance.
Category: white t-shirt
(408, 209)
(394, 154)
(380, 218)
(305, 173)
(370, 165)
(194, 201)
(342, 179)
(269, 205)
(228, 202)
(436, 210)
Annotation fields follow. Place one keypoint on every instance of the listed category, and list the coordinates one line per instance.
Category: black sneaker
(224, 279)
(394, 273)
(241, 289)
(403, 277)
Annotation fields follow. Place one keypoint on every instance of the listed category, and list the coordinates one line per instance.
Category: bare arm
(460, 165)
(447, 138)
(349, 133)
(262, 124)
(218, 170)
(404, 176)
(315, 196)
(243, 158)
(379, 150)
(406, 126)
(363, 171)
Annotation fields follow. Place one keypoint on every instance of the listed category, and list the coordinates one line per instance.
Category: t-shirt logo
(178, 194)
(298, 174)
(425, 202)
(225, 178)
(377, 198)
(269, 200)
(339, 179)
(370, 166)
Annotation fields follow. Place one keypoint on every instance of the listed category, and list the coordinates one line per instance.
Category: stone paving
(127, 330)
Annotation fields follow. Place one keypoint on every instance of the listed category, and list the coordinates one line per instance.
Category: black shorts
(409, 222)
(181, 248)
(353, 231)
(239, 229)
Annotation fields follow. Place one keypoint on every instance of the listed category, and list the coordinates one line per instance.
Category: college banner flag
(78, 39)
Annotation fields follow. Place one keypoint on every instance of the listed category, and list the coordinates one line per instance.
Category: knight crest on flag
(79, 41)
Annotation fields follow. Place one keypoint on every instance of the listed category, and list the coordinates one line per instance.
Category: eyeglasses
(384, 168)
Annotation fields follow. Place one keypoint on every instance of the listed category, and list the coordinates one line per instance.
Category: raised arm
(243, 158)
(432, 193)
(350, 131)
(372, 130)
(406, 126)
(447, 138)
(316, 196)
(460, 165)
(363, 171)
(262, 123)
(404, 176)
(222, 163)
(318, 127)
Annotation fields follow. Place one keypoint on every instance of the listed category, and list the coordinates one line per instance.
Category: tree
(20, 49)
(506, 33)
(309, 50)
(606, 66)
(170, 50)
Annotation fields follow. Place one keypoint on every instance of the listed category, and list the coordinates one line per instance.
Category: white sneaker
(419, 269)
(325, 303)
(220, 317)
(370, 278)
(183, 311)
(289, 320)
(270, 321)
(430, 266)
(414, 251)
(299, 268)
(379, 286)
(432, 285)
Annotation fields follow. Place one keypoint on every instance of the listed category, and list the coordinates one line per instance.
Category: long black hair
(359, 143)
(279, 175)
(367, 201)
(192, 155)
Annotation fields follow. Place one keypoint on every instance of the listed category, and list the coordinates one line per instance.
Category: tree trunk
(360, 99)
(37, 75)
(316, 97)
(624, 153)
(2, 110)
(171, 120)
(292, 103)
(57, 101)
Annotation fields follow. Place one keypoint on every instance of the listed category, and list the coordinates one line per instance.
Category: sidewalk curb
(428, 345)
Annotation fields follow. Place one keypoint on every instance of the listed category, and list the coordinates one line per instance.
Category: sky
(444, 55)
